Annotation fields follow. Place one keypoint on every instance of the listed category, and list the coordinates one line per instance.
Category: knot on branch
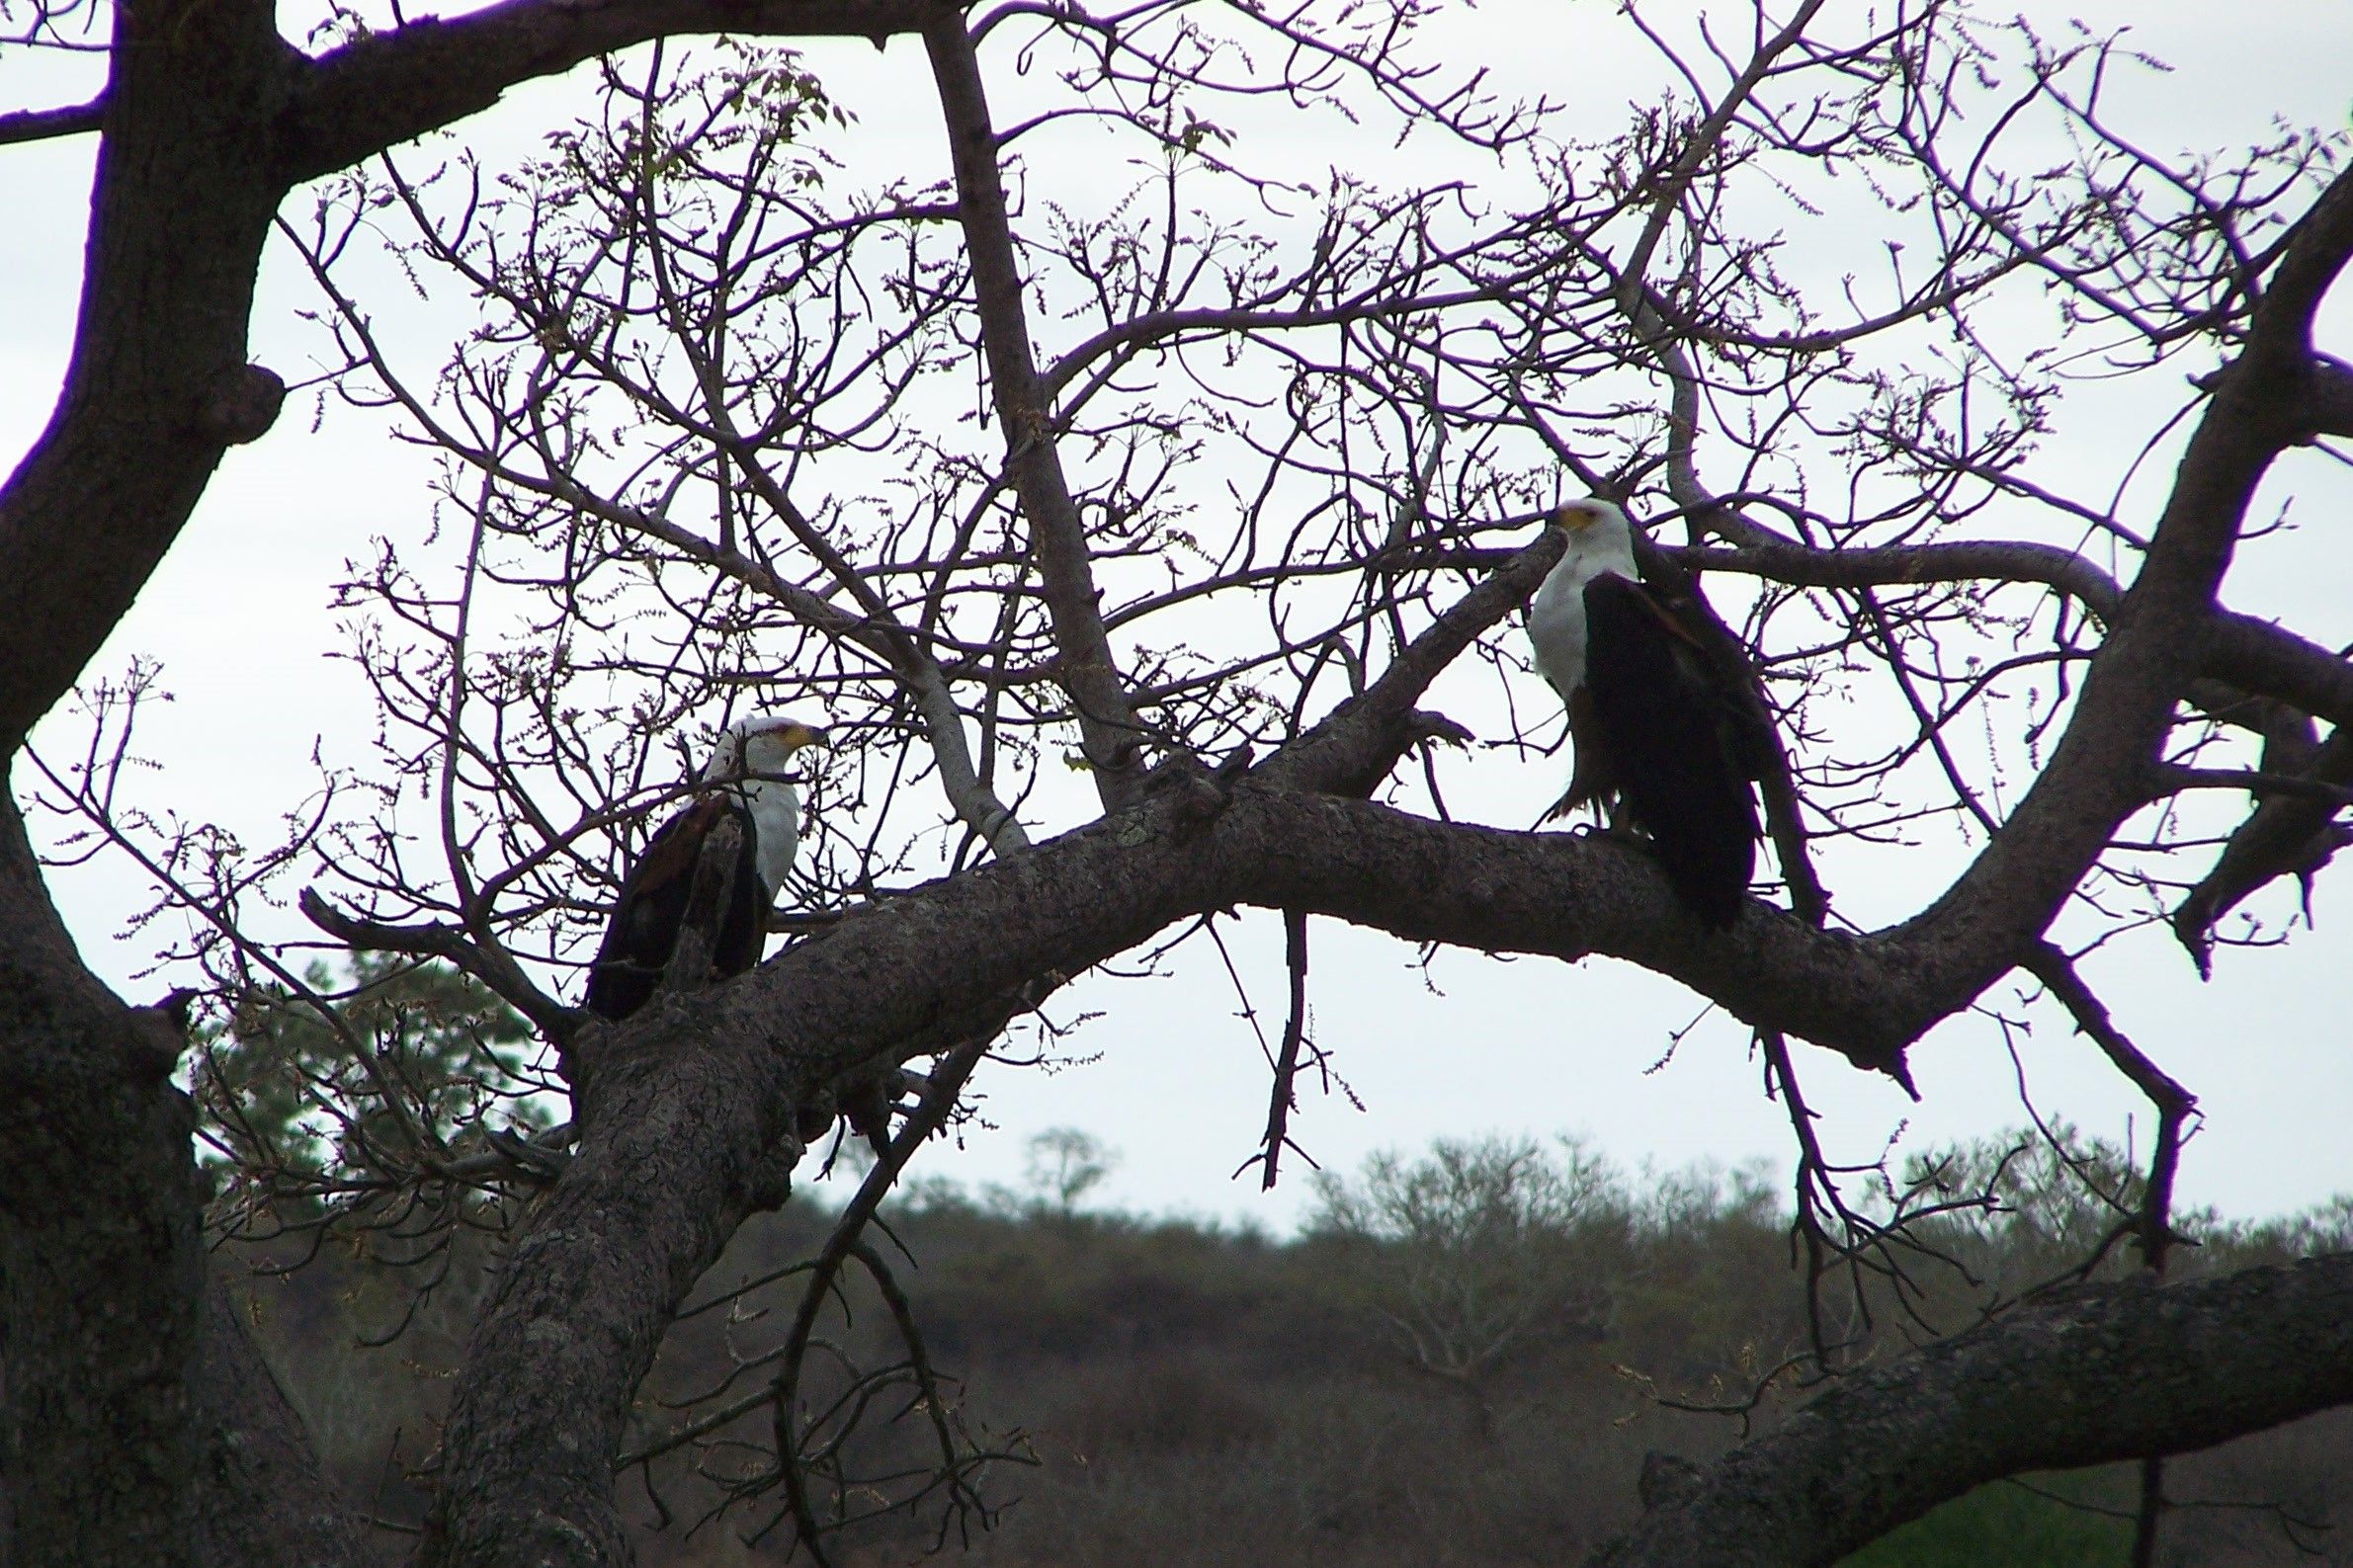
(1424, 726)
(1201, 798)
(1196, 796)
(1892, 1060)
(158, 1037)
(813, 1118)
(769, 1182)
(242, 406)
(579, 1051)
(1666, 1481)
(176, 1005)
(2326, 407)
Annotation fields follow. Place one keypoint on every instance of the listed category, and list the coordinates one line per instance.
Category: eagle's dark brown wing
(1672, 725)
(643, 929)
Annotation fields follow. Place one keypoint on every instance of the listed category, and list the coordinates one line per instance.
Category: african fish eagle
(743, 780)
(1664, 725)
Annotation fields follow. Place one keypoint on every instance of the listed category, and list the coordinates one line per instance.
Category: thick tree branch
(2105, 1374)
(1568, 896)
(2315, 253)
(683, 1101)
(1989, 561)
(2017, 884)
(688, 1105)
(384, 89)
(1109, 729)
(99, 1246)
(2269, 660)
(674, 1124)
(887, 970)
(675, 1121)
(1353, 749)
(2288, 835)
(2252, 655)
(42, 125)
(180, 211)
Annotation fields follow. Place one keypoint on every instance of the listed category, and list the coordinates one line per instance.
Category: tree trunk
(101, 1268)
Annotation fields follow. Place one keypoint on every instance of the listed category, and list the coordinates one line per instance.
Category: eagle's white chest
(1556, 630)
(1557, 616)
(776, 829)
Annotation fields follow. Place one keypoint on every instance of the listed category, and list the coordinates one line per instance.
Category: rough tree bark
(100, 1263)
(262, 1499)
(2087, 1377)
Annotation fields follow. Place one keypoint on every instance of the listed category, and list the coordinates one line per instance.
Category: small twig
(2174, 1106)
(842, 1245)
(1280, 1099)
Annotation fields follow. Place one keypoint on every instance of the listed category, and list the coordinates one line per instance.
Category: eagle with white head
(1668, 725)
(744, 781)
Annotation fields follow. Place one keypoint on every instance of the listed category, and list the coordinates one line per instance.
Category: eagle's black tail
(1670, 752)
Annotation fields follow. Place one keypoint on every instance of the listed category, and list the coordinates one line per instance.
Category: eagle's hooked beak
(772, 740)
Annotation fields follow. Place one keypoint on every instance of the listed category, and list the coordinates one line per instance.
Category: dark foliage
(1200, 1395)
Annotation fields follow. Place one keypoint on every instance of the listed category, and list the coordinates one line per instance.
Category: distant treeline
(1463, 1360)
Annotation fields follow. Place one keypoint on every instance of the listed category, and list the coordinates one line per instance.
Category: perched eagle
(744, 783)
(1666, 724)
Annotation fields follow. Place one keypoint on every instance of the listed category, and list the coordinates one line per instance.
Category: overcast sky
(239, 618)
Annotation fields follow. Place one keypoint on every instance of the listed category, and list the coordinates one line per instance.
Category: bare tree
(1065, 1164)
(1127, 545)
(1493, 1251)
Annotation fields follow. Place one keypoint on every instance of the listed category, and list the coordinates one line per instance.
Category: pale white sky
(239, 618)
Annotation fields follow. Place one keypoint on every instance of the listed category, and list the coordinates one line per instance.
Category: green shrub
(2002, 1526)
